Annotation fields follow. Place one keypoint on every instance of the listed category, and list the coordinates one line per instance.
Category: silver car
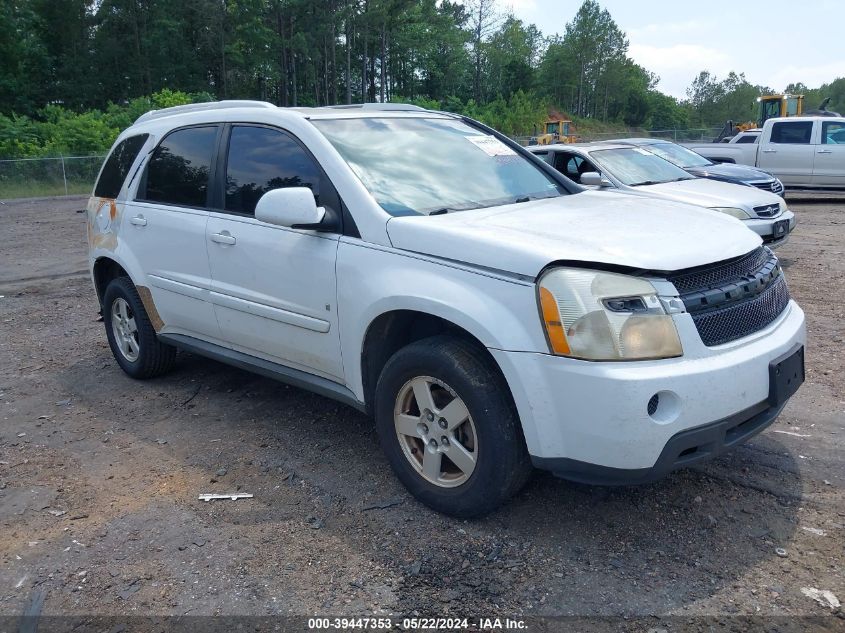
(634, 170)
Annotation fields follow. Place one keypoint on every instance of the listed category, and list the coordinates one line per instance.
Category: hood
(590, 227)
(709, 193)
(730, 171)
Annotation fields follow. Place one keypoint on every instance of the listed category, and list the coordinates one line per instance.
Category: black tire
(153, 357)
(502, 465)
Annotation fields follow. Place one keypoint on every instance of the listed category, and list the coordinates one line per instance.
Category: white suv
(419, 266)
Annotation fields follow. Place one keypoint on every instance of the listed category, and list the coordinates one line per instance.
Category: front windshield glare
(679, 155)
(634, 166)
(422, 165)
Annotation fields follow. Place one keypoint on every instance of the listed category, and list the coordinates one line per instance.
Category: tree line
(76, 65)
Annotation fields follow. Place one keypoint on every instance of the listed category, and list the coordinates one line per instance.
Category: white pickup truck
(804, 152)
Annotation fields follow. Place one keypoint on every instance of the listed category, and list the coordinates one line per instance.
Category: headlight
(596, 315)
(782, 204)
(732, 211)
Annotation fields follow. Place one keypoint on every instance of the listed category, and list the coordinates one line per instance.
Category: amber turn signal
(554, 327)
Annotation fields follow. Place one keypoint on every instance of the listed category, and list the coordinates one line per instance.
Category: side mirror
(294, 207)
(594, 179)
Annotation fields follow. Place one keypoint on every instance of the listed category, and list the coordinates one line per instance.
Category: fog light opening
(652, 404)
(664, 407)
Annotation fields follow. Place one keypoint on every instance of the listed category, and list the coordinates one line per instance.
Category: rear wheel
(131, 336)
(448, 427)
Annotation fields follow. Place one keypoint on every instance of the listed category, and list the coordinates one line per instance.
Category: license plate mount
(786, 374)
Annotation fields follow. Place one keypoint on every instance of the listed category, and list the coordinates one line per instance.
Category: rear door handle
(770, 151)
(825, 151)
(223, 238)
(138, 220)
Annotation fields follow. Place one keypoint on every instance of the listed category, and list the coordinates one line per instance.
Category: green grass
(34, 189)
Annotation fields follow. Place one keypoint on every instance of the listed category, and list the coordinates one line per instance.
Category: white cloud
(678, 64)
(812, 75)
(649, 30)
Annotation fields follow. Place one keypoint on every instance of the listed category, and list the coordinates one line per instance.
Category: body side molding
(282, 373)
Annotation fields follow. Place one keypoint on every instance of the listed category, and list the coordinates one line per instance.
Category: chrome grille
(775, 186)
(767, 210)
(734, 298)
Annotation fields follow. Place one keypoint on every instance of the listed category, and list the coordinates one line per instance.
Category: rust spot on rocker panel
(150, 307)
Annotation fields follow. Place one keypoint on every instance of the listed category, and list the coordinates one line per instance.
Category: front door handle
(223, 238)
(825, 151)
(770, 151)
(138, 220)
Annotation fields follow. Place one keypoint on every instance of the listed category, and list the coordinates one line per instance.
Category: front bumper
(683, 449)
(597, 413)
(764, 227)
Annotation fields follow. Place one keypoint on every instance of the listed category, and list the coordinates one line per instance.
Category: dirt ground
(99, 477)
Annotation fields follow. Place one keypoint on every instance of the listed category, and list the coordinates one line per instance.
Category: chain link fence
(60, 176)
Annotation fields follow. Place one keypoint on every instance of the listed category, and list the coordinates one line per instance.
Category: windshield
(678, 155)
(424, 165)
(633, 166)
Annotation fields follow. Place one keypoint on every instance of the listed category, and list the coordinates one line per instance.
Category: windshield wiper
(442, 211)
(647, 182)
(534, 197)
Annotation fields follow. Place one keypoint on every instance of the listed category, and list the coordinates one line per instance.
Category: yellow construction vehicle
(772, 106)
(557, 130)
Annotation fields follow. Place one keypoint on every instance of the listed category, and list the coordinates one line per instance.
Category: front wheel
(448, 427)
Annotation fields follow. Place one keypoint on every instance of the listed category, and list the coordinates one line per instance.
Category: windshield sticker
(491, 146)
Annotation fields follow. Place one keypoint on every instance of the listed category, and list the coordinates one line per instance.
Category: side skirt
(282, 373)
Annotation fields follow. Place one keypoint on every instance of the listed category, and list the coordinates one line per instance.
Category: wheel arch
(392, 330)
(106, 269)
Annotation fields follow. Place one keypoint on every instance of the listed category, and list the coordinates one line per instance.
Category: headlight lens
(732, 211)
(595, 315)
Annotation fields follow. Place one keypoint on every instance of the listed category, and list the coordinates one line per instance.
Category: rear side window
(833, 133)
(748, 138)
(792, 132)
(261, 159)
(118, 165)
(179, 168)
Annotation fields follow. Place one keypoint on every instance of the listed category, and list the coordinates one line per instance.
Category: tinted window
(261, 159)
(179, 168)
(572, 166)
(797, 132)
(117, 166)
(833, 133)
(748, 138)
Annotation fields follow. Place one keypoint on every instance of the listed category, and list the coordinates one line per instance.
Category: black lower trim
(282, 373)
(683, 449)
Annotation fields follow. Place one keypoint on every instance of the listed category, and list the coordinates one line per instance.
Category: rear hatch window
(118, 165)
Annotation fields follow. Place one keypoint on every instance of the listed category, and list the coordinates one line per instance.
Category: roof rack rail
(384, 107)
(202, 107)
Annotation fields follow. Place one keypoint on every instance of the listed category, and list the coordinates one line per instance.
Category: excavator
(771, 106)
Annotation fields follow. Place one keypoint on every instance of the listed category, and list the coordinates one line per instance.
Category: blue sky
(773, 43)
